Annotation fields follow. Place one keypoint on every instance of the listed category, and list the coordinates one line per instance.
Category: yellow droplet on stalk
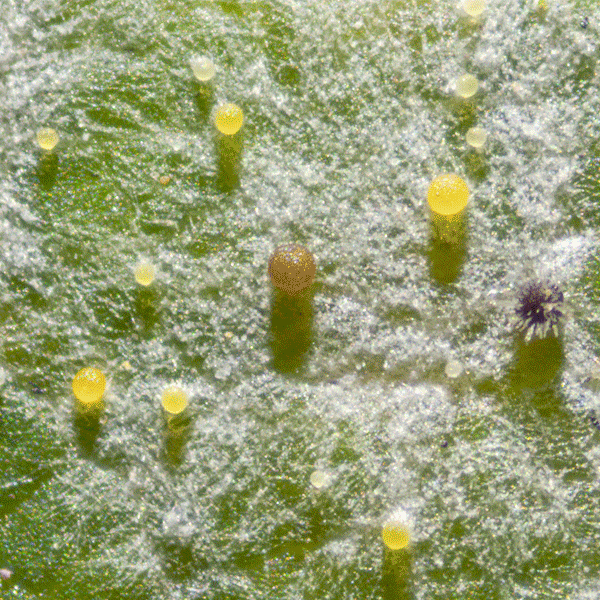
(473, 7)
(145, 273)
(448, 194)
(318, 479)
(476, 137)
(47, 138)
(229, 118)
(453, 369)
(292, 268)
(396, 535)
(202, 67)
(89, 385)
(467, 85)
(174, 400)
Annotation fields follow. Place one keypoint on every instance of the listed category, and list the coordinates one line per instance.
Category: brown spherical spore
(292, 268)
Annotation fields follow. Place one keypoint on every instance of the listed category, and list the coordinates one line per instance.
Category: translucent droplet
(473, 7)
(453, 369)
(318, 479)
(89, 385)
(396, 535)
(448, 194)
(476, 137)
(203, 67)
(47, 138)
(229, 118)
(467, 85)
(145, 273)
(174, 400)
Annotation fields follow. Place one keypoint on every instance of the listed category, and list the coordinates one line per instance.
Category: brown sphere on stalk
(292, 268)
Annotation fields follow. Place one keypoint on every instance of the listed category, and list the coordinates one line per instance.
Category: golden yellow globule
(174, 400)
(292, 268)
(229, 118)
(396, 535)
(448, 194)
(89, 385)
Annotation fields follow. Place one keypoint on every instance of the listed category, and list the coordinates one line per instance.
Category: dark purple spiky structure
(539, 309)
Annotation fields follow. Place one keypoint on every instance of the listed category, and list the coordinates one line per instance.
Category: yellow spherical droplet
(467, 85)
(229, 118)
(473, 7)
(203, 68)
(448, 194)
(396, 535)
(476, 137)
(145, 273)
(47, 138)
(174, 400)
(292, 268)
(89, 385)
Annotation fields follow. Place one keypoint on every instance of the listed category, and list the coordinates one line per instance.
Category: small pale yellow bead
(174, 400)
(318, 479)
(89, 385)
(453, 369)
(467, 85)
(229, 118)
(448, 194)
(202, 67)
(145, 273)
(476, 137)
(473, 7)
(47, 138)
(396, 535)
